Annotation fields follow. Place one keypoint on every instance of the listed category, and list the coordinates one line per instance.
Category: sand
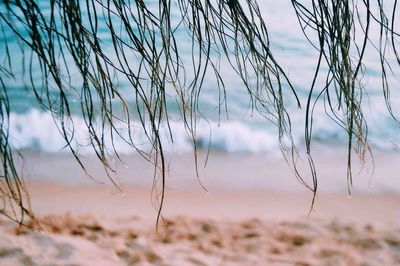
(85, 240)
(93, 224)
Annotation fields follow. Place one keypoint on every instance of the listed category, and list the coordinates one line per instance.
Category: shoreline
(362, 208)
(225, 171)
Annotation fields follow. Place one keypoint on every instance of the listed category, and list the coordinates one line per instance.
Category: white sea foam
(39, 131)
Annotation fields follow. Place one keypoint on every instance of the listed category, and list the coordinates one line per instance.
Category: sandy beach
(199, 133)
(93, 224)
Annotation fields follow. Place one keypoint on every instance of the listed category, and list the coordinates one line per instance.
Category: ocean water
(243, 130)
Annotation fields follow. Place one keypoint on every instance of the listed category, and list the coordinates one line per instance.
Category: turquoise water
(243, 130)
